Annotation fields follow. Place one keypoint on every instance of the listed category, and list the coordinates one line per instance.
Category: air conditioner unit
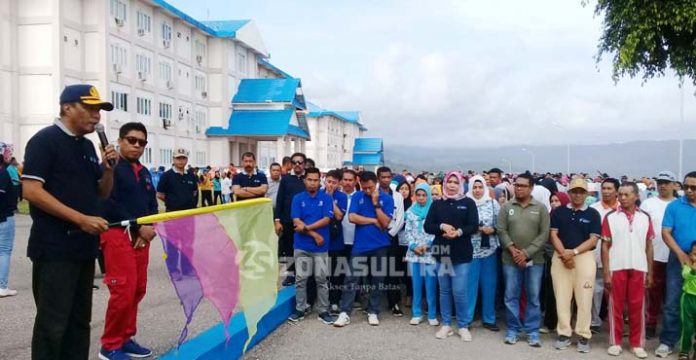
(204, 94)
(166, 123)
(119, 21)
(117, 68)
(170, 84)
(166, 43)
(199, 59)
(142, 76)
(141, 32)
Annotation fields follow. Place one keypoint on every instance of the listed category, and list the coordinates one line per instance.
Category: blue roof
(226, 28)
(265, 63)
(352, 117)
(259, 91)
(368, 159)
(259, 123)
(368, 145)
(221, 29)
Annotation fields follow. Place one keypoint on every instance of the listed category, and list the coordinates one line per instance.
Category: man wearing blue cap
(63, 181)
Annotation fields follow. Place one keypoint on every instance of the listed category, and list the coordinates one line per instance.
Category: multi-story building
(333, 136)
(155, 63)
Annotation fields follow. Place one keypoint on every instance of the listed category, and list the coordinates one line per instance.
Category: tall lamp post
(558, 126)
(681, 134)
(509, 163)
(533, 159)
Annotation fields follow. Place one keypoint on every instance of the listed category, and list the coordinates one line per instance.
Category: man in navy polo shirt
(177, 187)
(575, 230)
(678, 232)
(249, 184)
(311, 213)
(371, 211)
(126, 251)
(63, 182)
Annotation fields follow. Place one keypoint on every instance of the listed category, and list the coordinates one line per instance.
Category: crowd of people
(552, 250)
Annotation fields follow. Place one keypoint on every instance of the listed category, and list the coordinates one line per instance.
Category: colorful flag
(226, 254)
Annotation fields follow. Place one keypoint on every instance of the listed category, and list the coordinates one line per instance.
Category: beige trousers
(577, 282)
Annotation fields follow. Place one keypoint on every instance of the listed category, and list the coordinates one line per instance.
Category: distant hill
(632, 158)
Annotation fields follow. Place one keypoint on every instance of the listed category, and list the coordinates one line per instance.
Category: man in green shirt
(523, 228)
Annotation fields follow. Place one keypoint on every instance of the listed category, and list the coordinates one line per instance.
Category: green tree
(648, 37)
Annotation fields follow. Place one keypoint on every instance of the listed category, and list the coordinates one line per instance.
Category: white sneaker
(433, 322)
(640, 353)
(444, 332)
(416, 320)
(465, 334)
(663, 351)
(372, 319)
(7, 292)
(343, 320)
(614, 350)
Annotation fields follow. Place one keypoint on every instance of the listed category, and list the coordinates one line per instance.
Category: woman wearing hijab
(557, 199)
(453, 220)
(8, 205)
(405, 190)
(484, 267)
(419, 257)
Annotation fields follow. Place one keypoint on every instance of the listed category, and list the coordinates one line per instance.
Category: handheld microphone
(104, 141)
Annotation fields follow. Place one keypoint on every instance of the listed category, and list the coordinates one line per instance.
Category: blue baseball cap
(84, 94)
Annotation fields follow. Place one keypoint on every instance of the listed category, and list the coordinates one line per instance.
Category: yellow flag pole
(198, 211)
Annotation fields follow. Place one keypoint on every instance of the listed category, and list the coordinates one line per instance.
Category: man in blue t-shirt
(337, 249)
(311, 212)
(678, 233)
(371, 211)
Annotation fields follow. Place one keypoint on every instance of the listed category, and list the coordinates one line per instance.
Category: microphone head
(99, 127)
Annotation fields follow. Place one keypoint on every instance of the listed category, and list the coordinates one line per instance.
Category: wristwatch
(377, 206)
(576, 252)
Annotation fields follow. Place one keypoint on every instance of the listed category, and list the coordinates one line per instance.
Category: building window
(118, 11)
(120, 100)
(166, 34)
(143, 66)
(144, 21)
(119, 58)
(200, 51)
(200, 122)
(143, 106)
(165, 111)
(165, 72)
(241, 63)
(200, 158)
(147, 156)
(166, 156)
(199, 83)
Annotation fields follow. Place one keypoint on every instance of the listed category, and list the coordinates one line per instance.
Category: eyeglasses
(298, 162)
(134, 140)
(520, 185)
(690, 188)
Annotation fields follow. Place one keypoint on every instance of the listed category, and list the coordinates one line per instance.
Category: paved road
(394, 338)
(160, 315)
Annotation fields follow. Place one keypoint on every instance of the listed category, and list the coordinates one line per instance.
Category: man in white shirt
(348, 182)
(655, 207)
(610, 202)
(226, 188)
(274, 182)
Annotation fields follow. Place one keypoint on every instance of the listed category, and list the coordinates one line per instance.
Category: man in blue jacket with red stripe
(126, 250)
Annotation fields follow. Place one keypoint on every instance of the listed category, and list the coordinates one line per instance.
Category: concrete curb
(212, 343)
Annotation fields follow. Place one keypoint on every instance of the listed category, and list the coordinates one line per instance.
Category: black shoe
(491, 327)
(650, 331)
(396, 311)
(595, 329)
(290, 280)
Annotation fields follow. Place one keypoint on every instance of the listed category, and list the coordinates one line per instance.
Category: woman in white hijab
(484, 267)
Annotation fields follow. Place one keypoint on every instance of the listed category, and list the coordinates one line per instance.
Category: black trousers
(397, 278)
(206, 198)
(217, 195)
(549, 298)
(63, 297)
(336, 279)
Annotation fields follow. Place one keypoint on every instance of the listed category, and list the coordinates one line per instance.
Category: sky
(462, 73)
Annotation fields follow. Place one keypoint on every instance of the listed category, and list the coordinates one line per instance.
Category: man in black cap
(63, 181)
